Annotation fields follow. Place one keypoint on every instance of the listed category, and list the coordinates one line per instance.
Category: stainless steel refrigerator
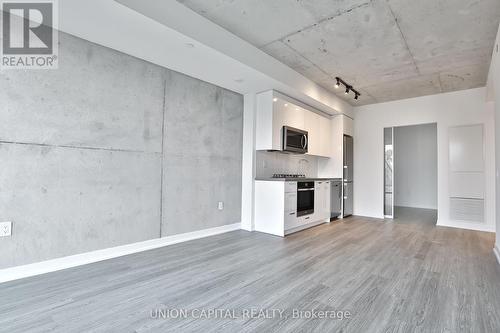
(348, 175)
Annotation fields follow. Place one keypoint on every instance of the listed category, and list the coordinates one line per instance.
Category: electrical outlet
(5, 229)
(221, 205)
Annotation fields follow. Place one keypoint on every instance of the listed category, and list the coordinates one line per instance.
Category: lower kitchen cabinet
(276, 207)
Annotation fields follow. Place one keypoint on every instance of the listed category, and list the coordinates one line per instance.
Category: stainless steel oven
(305, 198)
(295, 140)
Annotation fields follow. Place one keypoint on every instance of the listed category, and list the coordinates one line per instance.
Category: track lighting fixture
(348, 88)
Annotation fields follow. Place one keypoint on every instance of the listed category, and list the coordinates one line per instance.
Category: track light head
(348, 88)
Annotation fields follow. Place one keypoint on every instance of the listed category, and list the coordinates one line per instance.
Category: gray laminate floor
(411, 215)
(392, 277)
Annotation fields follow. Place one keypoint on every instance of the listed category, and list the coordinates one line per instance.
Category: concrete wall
(83, 155)
(202, 155)
(415, 166)
(450, 109)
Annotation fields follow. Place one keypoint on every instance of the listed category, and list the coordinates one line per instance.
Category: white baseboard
(19, 272)
(417, 206)
(378, 217)
(496, 250)
(466, 225)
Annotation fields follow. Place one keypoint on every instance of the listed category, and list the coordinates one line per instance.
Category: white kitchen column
(248, 162)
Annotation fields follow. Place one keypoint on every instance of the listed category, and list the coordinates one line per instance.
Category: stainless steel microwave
(295, 140)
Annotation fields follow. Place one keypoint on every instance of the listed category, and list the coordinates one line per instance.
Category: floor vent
(470, 210)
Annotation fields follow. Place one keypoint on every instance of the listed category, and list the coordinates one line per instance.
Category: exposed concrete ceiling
(387, 49)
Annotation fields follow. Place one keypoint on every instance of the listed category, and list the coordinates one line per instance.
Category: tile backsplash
(271, 162)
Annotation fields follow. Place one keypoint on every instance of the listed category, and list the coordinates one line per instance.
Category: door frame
(343, 179)
(392, 178)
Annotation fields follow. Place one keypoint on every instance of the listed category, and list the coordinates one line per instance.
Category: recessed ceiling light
(286, 104)
(275, 99)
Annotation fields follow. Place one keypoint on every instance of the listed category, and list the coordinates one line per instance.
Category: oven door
(295, 140)
(305, 201)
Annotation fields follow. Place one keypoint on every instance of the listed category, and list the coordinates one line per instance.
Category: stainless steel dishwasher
(336, 198)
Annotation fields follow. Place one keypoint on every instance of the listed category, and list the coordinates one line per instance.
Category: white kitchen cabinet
(312, 126)
(290, 202)
(272, 114)
(291, 220)
(318, 199)
(322, 200)
(286, 114)
(276, 208)
(348, 125)
(320, 135)
(275, 110)
(326, 200)
(290, 187)
(325, 138)
(333, 167)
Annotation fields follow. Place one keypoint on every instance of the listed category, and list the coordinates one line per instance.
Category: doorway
(410, 174)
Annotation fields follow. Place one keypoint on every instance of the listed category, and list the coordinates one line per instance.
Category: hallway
(417, 216)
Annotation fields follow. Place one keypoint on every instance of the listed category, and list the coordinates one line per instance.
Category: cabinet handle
(292, 214)
(307, 218)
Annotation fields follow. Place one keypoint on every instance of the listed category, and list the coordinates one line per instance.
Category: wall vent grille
(469, 210)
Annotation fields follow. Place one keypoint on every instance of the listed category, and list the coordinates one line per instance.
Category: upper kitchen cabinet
(333, 167)
(311, 125)
(275, 110)
(325, 133)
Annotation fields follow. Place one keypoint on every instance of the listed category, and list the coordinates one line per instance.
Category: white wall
(450, 109)
(415, 166)
(496, 106)
(494, 98)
